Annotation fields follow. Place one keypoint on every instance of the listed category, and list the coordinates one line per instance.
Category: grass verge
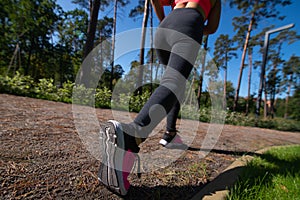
(272, 175)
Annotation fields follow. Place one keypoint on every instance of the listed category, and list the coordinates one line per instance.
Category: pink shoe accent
(177, 140)
(128, 162)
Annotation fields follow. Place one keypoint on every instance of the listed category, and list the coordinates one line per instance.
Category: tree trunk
(13, 59)
(266, 106)
(249, 81)
(201, 82)
(28, 61)
(152, 50)
(156, 72)
(202, 73)
(89, 45)
(113, 46)
(225, 82)
(142, 50)
(94, 11)
(287, 99)
(273, 94)
(236, 97)
(225, 87)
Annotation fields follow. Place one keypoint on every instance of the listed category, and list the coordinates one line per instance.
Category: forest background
(44, 43)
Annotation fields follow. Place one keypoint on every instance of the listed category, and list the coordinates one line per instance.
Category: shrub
(18, 85)
(287, 124)
(83, 96)
(121, 102)
(189, 112)
(103, 98)
(65, 93)
(46, 89)
(205, 114)
(137, 102)
(267, 123)
(239, 119)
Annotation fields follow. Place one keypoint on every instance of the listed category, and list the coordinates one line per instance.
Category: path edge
(218, 188)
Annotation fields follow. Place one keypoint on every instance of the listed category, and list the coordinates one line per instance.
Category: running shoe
(119, 153)
(172, 140)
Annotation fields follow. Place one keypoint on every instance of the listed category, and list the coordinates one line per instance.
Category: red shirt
(168, 3)
(204, 4)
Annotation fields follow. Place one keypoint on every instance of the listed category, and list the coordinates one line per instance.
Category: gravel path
(42, 156)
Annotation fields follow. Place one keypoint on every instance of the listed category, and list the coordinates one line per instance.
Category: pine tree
(291, 74)
(253, 11)
(223, 53)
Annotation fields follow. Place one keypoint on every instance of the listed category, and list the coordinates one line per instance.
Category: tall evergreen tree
(253, 12)
(224, 52)
(142, 8)
(202, 62)
(93, 7)
(291, 74)
(29, 26)
(70, 32)
(274, 66)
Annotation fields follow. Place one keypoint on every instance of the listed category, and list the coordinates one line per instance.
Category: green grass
(275, 175)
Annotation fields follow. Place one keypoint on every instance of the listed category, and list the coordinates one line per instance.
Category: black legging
(177, 42)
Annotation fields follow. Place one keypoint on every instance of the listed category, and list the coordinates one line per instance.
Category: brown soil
(42, 156)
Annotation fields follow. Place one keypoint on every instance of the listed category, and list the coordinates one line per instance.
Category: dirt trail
(43, 157)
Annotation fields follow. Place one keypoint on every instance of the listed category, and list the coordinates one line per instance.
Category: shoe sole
(110, 173)
(163, 142)
(170, 145)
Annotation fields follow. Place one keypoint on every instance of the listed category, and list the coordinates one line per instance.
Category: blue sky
(124, 23)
